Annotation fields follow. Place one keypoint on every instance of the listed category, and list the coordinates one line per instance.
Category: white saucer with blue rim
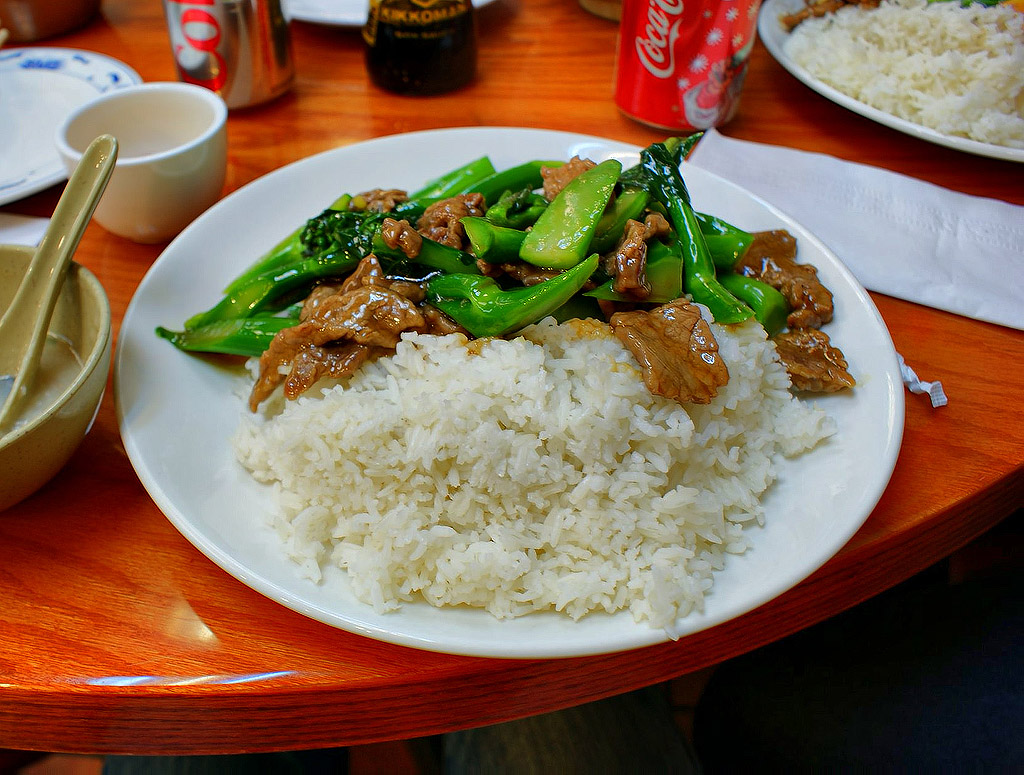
(39, 87)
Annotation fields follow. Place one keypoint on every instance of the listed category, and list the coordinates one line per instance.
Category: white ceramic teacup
(172, 155)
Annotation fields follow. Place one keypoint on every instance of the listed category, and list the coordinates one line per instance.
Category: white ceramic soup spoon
(23, 326)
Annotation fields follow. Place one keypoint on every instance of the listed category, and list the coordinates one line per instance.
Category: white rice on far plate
(959, 71)
(530, 474)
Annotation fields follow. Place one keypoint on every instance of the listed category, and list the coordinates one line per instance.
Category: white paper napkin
(915, 384)
(899, 236)
(21, 229)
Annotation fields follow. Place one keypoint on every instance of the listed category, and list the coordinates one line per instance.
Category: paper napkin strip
(21, 229)
(899, 236)
(915, 384)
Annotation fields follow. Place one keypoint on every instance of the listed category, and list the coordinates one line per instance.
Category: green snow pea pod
(579, 307)
(456, 181)
(492, 243)
(517, 210)
(562, 235)
(522, 176)
(628, 205)
(725, 242)
(262, 291)
(483, 308)
(248, 337)
(770, 307)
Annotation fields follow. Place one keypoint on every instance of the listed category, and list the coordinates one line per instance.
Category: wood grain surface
(116, 635)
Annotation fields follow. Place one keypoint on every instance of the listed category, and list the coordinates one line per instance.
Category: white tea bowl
(172, 156)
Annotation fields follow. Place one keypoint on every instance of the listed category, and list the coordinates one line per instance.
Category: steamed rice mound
(959, 71)
(530, 474)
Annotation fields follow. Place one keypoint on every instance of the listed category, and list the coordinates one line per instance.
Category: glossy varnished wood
(116, 635)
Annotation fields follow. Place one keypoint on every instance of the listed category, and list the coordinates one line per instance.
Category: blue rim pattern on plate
(98, 72)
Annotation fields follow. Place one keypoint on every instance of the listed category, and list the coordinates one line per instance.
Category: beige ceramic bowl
(38, 447)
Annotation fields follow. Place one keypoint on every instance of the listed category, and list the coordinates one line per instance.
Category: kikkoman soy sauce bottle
(420, 47)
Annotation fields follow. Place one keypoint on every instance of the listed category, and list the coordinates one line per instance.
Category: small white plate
(177, 412)
(774, 35)
(39, 87)
(341, 13)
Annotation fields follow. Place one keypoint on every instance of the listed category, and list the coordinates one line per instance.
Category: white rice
(526, 475)
(959, 71)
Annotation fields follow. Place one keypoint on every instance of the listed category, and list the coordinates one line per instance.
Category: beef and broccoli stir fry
(484, 253)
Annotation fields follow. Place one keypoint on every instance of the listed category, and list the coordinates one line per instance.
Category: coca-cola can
(240, 49)
(680, 64)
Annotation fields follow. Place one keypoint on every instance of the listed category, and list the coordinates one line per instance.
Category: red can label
(681, 63)
(240, 49)
(199, 41)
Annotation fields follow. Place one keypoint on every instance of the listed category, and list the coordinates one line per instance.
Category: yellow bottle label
(411, 14)
(370, 28)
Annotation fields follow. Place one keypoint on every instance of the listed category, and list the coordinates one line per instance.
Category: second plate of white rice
(940, 72)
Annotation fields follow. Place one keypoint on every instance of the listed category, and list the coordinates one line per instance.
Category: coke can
(240, 49)
(680, 64)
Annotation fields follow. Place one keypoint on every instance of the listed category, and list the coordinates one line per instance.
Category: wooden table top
(116, 635)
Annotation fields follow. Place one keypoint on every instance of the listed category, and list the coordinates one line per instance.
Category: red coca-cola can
(680, 64)
(240, 49)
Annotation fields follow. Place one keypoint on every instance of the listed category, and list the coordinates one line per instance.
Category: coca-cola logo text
(656, 50)
(201, 30)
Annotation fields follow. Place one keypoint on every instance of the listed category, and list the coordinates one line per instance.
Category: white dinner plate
(39, 87)
(774, 35)
(177, 411)
(339, 13)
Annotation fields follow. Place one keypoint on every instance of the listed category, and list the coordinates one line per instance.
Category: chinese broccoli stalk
(658, 172)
